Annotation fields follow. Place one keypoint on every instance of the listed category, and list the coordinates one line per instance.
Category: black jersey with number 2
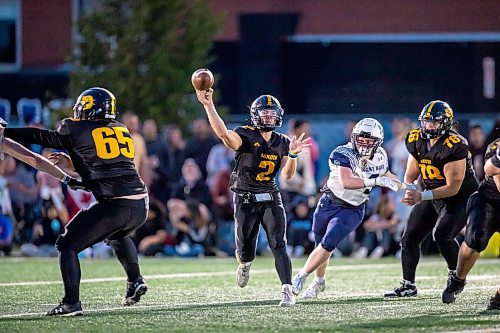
(102, 152)
(431, 160)
(258, 161)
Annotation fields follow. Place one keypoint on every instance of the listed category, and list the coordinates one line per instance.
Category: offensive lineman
(483, 211)
(102, 153)
(441, 157)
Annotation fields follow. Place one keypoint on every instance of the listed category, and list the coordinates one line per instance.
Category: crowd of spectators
(191, 209)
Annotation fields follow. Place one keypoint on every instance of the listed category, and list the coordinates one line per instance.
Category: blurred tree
(145, 53)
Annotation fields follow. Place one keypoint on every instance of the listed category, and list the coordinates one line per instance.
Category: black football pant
(248, 216)
(445, 218)
(483, 220)
(110, 220)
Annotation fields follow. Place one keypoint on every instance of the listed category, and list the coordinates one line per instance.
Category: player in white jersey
(355, 168)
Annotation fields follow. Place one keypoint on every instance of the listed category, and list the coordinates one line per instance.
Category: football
(202, 79)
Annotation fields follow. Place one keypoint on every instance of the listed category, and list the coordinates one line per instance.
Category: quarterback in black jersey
(483, 220)
(101, 152)
(441, 158)
(259, 155)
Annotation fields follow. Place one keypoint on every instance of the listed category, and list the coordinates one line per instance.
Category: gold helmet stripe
(113, 100)
(429, 109)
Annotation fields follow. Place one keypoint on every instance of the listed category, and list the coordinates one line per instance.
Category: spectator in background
(199, 146)
(51, 189)
(299, 226)
(151, 236)
(398, 155)
(6, 213)
(379, 230)
(477, 149)
(157, 159)
(131, 121)
(190, 186)
(192, 227)
(219, 160)
(25, 200)
(302, 182)
(176, 154)
(45, 232)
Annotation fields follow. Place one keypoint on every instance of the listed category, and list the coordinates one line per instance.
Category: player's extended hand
(297, 145)
(205, 96)
(62, 160)
(390, 183)
(412, 198)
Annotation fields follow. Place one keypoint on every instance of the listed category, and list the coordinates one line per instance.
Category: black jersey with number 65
(102, 152)
(258, 161)
(449, 147)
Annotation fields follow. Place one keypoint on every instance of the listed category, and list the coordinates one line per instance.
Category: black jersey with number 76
(258, 161)
(431, 160)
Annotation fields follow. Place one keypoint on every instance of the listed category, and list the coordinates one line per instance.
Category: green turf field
(200, 295)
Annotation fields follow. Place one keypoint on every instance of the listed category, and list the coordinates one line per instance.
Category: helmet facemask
(266, 113)
(365, 144)
(432, 129)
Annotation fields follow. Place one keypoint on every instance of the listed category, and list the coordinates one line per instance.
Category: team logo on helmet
(87, 102)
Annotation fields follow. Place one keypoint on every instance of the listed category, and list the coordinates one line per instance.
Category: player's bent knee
(329, 247)
(476, 243)
(63, 244)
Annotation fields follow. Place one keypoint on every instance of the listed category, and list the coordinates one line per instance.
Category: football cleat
(287, 298)
(134, 292)
(66, 310)
(314, 289)
(494, 304)
(407, 289)
(298, 284)
(454, 286)
(243, 274)
(243, 271)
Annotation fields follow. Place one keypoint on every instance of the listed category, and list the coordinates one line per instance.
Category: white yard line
(334, 268)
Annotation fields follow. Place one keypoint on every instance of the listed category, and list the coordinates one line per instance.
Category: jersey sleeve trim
(342, 156)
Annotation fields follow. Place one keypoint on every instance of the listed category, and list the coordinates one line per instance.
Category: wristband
(293, 154)
(369, 182)
(65, 179)
(426, 195)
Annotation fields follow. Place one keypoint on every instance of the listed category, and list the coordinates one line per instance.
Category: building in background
(317, 56)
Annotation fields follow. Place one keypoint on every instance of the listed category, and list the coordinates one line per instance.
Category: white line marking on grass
(484, 330)
(351, 267)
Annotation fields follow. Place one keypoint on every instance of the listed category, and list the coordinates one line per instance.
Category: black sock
(71, 274)
(126, 252)
(410, 256)
(283, 265)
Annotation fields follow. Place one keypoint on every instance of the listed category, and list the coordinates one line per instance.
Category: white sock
(303, 274)
(286, 287)
(319, 279)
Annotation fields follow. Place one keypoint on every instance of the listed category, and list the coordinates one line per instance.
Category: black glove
(75, 184)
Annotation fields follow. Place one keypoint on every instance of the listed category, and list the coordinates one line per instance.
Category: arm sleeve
(340, 158)
(52, 139)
